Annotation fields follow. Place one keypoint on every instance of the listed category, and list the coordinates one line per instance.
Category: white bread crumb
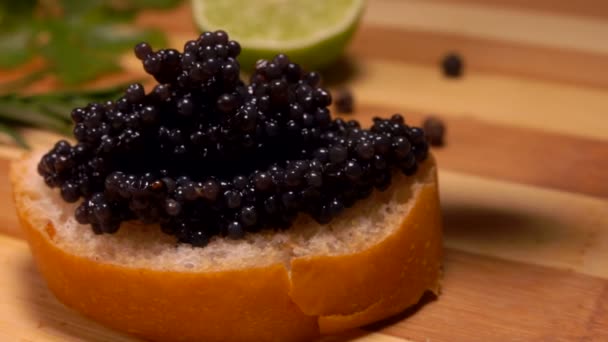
(145, 246)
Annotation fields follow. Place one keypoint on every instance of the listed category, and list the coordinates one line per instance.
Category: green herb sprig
(50, 111)
(78, 40)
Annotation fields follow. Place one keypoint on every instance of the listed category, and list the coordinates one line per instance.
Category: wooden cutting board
(524, 174)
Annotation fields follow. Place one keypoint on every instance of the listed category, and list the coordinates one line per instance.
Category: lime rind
(313, 52)
(319, 56)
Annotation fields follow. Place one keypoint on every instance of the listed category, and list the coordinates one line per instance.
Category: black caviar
(434, 129)
(452, 65)
(204, 154)
(345, 102)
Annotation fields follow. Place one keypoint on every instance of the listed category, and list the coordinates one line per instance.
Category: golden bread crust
(319, 295)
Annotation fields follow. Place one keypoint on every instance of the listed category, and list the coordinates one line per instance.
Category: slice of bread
(374, 261)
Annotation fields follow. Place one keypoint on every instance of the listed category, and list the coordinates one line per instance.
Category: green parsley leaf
(72, 59)
(121, 38)
(79, 40)
(15, 47)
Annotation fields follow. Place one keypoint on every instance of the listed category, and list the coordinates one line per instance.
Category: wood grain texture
(9, 224)
(523, 175)
(485, 55)
(508, 301)
(500, 99)
(526, 224)
(583, 8)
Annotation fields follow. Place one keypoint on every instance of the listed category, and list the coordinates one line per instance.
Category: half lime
(313, 33)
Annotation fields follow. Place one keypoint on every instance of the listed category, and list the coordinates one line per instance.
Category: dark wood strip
(9, 224)
(479, 54)
(486, 299)
(516, 154)
(587, 8)
(598, 322)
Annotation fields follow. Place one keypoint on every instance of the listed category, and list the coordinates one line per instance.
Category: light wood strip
(492, 22)
(9, 224)
(586, 8)
(499, 99)
(485, 299)
(515, 154)
(526, 224)
(515, 59)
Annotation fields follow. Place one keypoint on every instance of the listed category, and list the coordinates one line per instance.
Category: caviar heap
(204, 154)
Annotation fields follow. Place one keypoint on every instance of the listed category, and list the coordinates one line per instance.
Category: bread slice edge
(312, 295)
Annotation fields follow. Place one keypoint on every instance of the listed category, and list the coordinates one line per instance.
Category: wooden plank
(516, 154)
(492, 23)
(585, 8)
(528, 156)
(492, 37)
(9, 224)
(503, 57)
(486, 299)
(525, 224)
(499, 99)
(597, 326)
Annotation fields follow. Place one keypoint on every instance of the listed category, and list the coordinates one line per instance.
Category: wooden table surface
(524, 174)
